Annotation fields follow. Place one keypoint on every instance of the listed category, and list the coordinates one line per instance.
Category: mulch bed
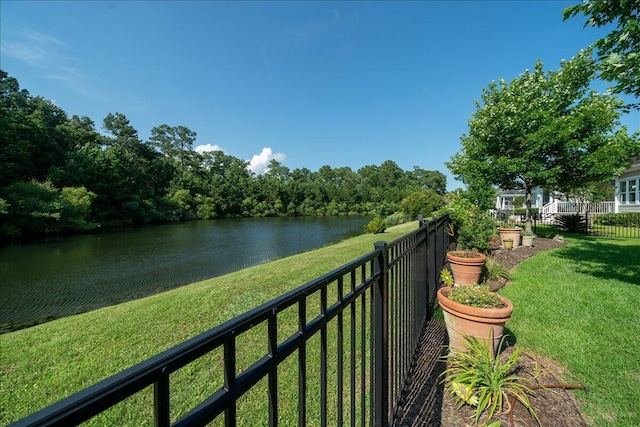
(425, 404)
(513, 257)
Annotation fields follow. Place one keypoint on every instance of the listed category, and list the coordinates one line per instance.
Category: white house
(628, 189)
(508, 200)
(627, 197)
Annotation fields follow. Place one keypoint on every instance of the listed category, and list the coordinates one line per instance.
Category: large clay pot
(481, 323)
(510, 233)
(466, 266)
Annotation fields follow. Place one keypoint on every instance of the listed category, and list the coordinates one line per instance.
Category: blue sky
(308, 83)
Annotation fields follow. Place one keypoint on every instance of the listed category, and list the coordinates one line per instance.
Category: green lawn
(580, 305)
(43, 364)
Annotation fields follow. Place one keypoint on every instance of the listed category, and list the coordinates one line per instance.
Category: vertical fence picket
(230, 379)
(272, 331)
(340, 358)
(302, 363)
(323, 359)
(161, 401)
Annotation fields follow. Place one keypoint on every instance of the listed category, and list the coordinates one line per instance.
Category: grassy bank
(41, 365)
(579, 305)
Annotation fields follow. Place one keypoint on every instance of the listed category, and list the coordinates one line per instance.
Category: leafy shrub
(472, 228)
(397, 218)
(377, 225)
(572, 223)
(421, 202)
(628, 219)
(32, 208)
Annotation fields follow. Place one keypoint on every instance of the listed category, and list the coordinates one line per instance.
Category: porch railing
(557, 207)
(369, 314)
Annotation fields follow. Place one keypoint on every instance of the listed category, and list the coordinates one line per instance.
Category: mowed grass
(45, 363)
(580, 305)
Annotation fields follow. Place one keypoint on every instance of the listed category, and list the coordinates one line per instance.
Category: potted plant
(527, 238)
(508, 244)
(510, 231)
(472, 230)
(466, 266)
(473, 311)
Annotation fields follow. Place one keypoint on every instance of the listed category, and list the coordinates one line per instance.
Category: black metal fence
(594, 224)
(358, 327)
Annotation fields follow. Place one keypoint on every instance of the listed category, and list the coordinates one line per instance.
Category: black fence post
(586, 222)
(420, 264)
(381, 339)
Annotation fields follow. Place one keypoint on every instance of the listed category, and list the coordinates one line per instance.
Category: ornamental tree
(618, 53)
(545, 129)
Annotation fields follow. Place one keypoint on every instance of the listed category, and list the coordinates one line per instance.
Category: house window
(630, 191)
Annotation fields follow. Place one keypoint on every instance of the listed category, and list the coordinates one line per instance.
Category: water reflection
(41, 282)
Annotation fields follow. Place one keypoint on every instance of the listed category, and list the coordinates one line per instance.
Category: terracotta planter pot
(477, 322)
(466, 266)
(510, 233)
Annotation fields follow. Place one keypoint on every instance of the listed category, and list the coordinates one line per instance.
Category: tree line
(59, 175)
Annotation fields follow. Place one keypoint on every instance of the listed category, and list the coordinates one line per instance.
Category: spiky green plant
(572, 223)
(494, 270)
(474, 377)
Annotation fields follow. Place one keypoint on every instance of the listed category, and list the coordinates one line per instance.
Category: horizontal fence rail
(591, 223)
(597, 224)
(357, 331)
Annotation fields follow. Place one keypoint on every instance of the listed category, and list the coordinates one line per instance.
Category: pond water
(44, 281)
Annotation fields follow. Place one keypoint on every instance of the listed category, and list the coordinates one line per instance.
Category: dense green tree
(223, 182)
(423, 202)
(176, 143)
(130, 186)
(38, 208)
(430, 180)
(619, 52)
(58, 174)
(544, 129)
(124, 136)
(483, 194)
(29, 141)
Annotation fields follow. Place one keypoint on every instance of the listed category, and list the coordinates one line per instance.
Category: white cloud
(34, 48)
(259, 163)
(208, 147)
(44, 52)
